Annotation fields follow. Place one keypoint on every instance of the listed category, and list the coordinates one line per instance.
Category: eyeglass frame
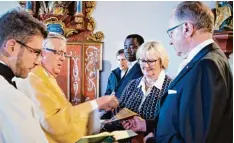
(35, 51)
(149, 62)
(169, 31)
(56, 52)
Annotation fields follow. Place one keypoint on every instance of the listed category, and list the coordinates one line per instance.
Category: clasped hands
(107, 102)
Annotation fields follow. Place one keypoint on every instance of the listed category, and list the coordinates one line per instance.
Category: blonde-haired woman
(143, 95)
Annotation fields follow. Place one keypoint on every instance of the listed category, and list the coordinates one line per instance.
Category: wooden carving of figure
(54, 7)
(224, 20)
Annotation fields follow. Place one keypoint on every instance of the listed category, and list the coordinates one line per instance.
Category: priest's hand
(107, 102)
(136, 123)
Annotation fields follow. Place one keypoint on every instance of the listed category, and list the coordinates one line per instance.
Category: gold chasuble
(61, 122)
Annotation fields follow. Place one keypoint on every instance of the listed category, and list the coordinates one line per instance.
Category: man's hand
(107, 102)
(136, 124)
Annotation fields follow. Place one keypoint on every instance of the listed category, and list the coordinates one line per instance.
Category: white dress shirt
(193, 53)
(123, 72)
(18, 122)
(158, 84)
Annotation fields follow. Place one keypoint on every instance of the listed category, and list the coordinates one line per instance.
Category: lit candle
(78, 6)
(29, 5)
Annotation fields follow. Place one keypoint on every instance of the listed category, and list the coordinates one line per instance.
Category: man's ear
(10, 47)
(188, 29)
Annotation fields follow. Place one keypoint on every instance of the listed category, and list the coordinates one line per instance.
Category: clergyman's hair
(139, 38)
(52, 35)
(121, 51)
(19, 25)
(196, 12)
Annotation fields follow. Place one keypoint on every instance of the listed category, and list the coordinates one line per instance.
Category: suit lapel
(130, 73)
(190, 65)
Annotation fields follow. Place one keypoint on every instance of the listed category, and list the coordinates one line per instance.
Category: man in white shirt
(21, 40)
(118, 73)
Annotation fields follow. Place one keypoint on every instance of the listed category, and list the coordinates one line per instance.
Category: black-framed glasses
(60, 53)
(149, 62)
(169, 31)
(32, 50)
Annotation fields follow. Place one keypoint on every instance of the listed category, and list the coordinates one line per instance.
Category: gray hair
(19, 25)
(196, 12)
(154, 46)
(52, 35)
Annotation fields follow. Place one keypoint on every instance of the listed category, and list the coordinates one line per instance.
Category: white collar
(123, 72)
(3, 63)
(131, 64)
(197, 49)
(159, 82)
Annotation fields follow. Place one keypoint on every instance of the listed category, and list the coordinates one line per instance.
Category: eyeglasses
(32, 50)
(149, 62)
(60, 53)
(169, 31)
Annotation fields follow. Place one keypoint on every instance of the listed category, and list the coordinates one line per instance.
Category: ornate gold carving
(67, 31)
(90, 5)
(73, 24)
(54, 7)
(70, 31)
(79, 20)
(97, 37)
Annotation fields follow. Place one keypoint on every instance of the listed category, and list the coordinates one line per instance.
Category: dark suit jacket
(201, 109)
(133, 73)
(113, 81)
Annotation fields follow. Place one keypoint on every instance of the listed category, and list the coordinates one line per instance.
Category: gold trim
(68, 79)
(90, 5)
(96, 37)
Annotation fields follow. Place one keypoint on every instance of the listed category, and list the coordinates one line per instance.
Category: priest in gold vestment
(60, 121)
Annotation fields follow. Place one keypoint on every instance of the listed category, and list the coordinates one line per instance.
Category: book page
(103, 134)
(122, 114)
(119, 135)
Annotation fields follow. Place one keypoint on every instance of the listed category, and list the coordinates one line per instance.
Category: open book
(122, 114)
(115, 135)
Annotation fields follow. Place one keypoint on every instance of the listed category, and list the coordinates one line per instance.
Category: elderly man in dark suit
(198, 106)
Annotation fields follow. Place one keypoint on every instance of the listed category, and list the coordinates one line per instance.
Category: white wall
(121, 18)
(6, 5)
